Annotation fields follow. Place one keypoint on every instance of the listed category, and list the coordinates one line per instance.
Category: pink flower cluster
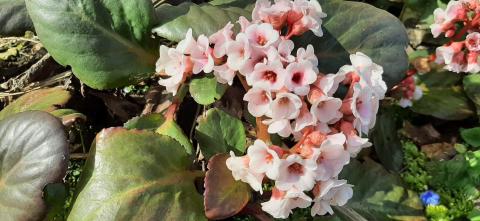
(288, 93)
(408, 89)
(461, 53)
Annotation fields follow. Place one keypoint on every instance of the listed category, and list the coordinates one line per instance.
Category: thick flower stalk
(289, 97)
(460, 23)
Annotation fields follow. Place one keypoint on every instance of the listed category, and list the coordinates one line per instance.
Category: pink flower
(304, 119)
(281, 203)
(282, 52)
(299, 77)
(327, 109)
(241, 171)
(262, 35)
(370, 74)
(263, 159)
(472, 41)
(258, 101)
(224, 74)
(221, 39)
(285, 106)
(257, 56)
(296, 172)
(355, 144)
(307, 54)
(268, 76)
(188, 44)
(331, 157)
(305, 15)
(330, 193)
(444, 19)
(444, 54)
(330, 82)
(174, 64)
(202, 56)
(238, 52)
(472, 62)
(364, 107)
(275, 14)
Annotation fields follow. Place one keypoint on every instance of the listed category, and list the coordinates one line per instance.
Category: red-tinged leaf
(224, 197)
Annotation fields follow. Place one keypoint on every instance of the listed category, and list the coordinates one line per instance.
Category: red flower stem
(176, 101)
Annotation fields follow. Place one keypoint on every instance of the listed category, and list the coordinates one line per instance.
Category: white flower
(307, 54)
(262, 35)
(275, 14)
(472, 41)
(306, 15)
(355, 144)
(188, 44)
(327, 109)
(221, 39)
(330, 193)
(281, 127)
(224, 74)
(331, 157)
(258, 101)
(285, 106)
(241, 171)
(281, 203)
(330, 82)
(364, 107)
(370, 74)
(202, 56)
(304, 119)
(238, 52)
(296, 172)
(263, 159)
(270, 76)
(174, 64)
(299, 77)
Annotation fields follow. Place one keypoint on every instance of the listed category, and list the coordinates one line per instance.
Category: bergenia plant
(290, 97)
(459, 23)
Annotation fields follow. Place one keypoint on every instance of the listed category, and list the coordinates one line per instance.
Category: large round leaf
(33, 153)
(206, 90)
(379, 195)
(137, 175)
(219, 132)
(358, 27)
(107, 43)
(174, 21)
(444, 103)
(14, 19)
(44, 100)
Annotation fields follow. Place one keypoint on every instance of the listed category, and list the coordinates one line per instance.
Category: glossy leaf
(379, 195)
(33, 153)
(14, 19)
(386, 141)
(137, 175)
(174, 21)
(471, 85)
(145, 122)
(171, 129)
(47, 100)
(471, 136)
(219, 132)
(206, 90)
(359, 27)
(224, 196)
(444, 103)
(107, 43)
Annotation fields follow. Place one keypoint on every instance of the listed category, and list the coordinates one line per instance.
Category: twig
(21, 39)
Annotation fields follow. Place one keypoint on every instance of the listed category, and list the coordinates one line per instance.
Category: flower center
(295, 168)
(261, 40)
(270, 76)
(297, 78)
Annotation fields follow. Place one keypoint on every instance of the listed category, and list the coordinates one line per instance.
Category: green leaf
(47, 100)
(33, 153)
(219, 132)
(174, 21)
(471, 136)
(205, 90)
(224, 196)
(137, 175)
(352, 27)
(471, 85)
(145, 122)
(439, 78)
(55, 195)
(444, 103)
(379, 195)
(386, 141)
(171, 129)
(107, 43)
(14, 18)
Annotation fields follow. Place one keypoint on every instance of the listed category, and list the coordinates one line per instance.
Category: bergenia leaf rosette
(291, 98)
(461, 52)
